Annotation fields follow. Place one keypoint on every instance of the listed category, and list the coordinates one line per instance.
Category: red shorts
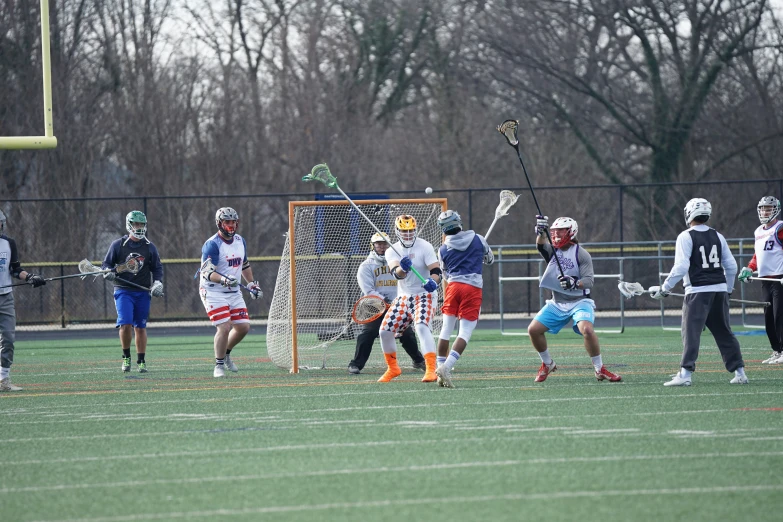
(462, 301)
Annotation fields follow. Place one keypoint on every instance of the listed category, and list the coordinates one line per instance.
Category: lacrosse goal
(310, 324)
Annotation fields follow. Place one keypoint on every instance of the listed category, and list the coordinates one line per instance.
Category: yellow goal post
(48, 140)
(310, 325)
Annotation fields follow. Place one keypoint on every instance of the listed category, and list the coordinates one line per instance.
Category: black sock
(126, 353)
(219, 361)
(228, 352)
(140, 358)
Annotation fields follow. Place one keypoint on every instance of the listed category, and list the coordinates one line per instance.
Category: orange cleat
(430, 360)
(393, 371)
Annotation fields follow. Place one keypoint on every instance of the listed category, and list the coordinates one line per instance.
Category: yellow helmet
(405, 226)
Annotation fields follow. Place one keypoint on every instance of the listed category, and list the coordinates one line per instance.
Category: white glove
(110, 276)
(229, 281)
(255, 290)
(656, 292)
(542, 225)
(157, 289)
(568, 282)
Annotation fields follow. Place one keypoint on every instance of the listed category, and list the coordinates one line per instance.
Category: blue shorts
(133, 307)
(555, 319)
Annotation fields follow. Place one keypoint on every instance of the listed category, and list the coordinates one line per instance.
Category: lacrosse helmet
(405, 226)
(571, 228)
(768, 209)
(227, 214)
(379, 237)
(2, 222)
(136, 216)
(449, 221)
(695, 208)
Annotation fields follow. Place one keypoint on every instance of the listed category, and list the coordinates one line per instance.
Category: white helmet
(449, 220)
(695, 208)
(564, 223)
(768, 201)
(227, 214)
(379, 237)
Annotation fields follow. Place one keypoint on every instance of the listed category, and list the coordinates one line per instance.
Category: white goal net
(316, 286)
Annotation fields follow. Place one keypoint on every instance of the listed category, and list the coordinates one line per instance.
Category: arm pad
(437, 271)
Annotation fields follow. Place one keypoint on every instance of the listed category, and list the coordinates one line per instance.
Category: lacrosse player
(415, 302)
(768, 260)
(10, 268)
(461, 257)
(375, 278)
(134, 259)
(570, 295)
(703, 261)
(223, 263)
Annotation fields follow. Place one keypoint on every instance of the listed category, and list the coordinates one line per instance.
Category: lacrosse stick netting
(507, 200)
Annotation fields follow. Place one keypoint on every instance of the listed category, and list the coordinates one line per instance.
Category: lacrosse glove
(656, 292)
(35, 280)
(255, 290)
(745, 274)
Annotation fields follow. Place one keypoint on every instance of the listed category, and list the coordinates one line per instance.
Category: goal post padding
(310, 324)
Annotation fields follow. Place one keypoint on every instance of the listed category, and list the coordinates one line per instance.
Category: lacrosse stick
(86, 268)
(208, 265)
(368, 308)
(96, 272)
(507, 200)
(509, 131)
(767, 279)
(630, 290)
(322, 173)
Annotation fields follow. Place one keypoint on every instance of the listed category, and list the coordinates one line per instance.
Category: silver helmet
(767, 214)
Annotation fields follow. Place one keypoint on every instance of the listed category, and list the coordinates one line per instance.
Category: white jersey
(374, 276)
(422, 253)
(769, 250)
(228, 258)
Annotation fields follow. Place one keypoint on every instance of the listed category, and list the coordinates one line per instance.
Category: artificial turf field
(84, 441)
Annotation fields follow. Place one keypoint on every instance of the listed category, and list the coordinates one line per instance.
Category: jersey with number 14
(769, 250)
(228, 258)
(422, 254)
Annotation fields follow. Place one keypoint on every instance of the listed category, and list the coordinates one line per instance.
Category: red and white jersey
(422, 253)
(769, 250)
(228, 258)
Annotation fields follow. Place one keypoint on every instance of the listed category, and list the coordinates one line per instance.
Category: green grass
(84, 441)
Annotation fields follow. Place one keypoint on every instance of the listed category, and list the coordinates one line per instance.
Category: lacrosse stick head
(321, 173)
(368, 308)
(629, 289)
(509, 130)
(507, 200)
(87, 268)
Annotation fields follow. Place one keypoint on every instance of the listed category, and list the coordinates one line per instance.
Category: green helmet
(136, 216)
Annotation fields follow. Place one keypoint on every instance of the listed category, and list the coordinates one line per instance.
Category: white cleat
(444, 377)
(774, 357)
(220, 371)
(230, 364)
(678, 380)
(6, 386)
(779, 360)
(739, 379)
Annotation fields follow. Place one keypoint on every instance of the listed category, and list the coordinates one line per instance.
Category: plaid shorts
(407, 309)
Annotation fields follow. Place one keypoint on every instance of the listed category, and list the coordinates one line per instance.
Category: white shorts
(222, 307)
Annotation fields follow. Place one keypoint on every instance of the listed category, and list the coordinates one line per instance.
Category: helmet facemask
(136, 224)
(768, 209)
(563, 232)
(405, 227)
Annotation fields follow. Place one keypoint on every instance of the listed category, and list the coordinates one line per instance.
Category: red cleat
(544, 371)
(605, 375)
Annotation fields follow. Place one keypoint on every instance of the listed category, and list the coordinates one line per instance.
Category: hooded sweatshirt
(461, 257)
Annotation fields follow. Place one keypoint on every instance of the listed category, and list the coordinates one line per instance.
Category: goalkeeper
(133, 258)
(375, 278)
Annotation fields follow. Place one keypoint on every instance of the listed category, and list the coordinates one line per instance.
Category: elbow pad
(437, 271)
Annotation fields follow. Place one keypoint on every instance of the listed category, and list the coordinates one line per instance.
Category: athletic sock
(140, 358)
(597, 362)
(4, 372)
(228, 352)
(545, 357)
(452, 360)
(441, 360)
(685, 374)
(740, 372)
(220, 362)
(126, 353)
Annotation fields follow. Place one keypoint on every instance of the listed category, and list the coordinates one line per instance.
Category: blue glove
(568, 282)
(406, 264)
(430, 285)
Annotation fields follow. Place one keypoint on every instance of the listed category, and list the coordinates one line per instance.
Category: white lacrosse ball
(428, 190)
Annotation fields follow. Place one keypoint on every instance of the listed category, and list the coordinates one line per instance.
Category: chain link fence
(54, 234)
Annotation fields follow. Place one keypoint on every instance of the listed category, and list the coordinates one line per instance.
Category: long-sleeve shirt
(683, 263)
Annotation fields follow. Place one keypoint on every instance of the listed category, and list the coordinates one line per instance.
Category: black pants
(369, 334)
(773, 315)
(710, 309)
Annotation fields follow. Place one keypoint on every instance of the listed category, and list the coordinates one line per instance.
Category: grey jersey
(375, 276)
(576, 262)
